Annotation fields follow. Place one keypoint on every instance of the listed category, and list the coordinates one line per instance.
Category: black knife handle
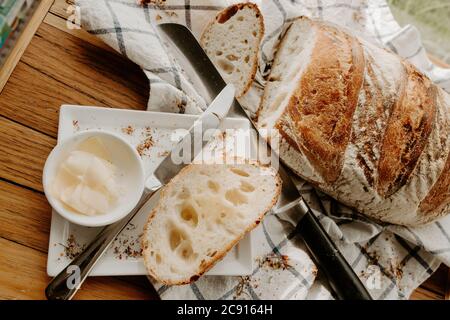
(342, 279)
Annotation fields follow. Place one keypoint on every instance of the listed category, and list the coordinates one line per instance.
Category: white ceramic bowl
(131, 177)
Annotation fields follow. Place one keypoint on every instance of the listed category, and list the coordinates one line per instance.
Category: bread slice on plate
(232, 42)
(202, 213)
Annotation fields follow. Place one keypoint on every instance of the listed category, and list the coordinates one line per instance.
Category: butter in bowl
(93, 178)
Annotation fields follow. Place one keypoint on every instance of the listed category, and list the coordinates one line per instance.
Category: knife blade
(341, 277)
(61, 288)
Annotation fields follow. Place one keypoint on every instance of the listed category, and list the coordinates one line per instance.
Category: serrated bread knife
(68, 281)
(207, 80)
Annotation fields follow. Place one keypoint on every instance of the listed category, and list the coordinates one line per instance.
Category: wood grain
(24, 216)
(422, 293)
(106, 76)
(22, 154)
(36, 89)
(33, 99)
(23, 276)
(435, 284)
(23, 40)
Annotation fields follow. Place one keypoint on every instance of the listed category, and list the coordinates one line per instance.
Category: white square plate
(123, 257)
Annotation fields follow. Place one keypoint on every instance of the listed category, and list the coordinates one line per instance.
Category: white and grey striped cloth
(391, 260)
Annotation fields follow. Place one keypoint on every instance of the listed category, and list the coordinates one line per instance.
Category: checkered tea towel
(391, 260)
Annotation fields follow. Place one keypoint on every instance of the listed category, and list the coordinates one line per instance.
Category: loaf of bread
(202, 213)
(360, 123)
(232, 41)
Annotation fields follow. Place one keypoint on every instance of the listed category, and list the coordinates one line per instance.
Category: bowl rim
(85, 220)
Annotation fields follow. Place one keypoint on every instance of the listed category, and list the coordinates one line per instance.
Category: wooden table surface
(64, 66)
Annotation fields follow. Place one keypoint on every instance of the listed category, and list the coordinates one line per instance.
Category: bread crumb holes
(236, 197)
(239, 172)
(246, 187)
(189, 214)
(213, 186)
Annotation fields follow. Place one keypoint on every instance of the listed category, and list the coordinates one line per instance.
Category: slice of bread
(232, 43)
(202, 213)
